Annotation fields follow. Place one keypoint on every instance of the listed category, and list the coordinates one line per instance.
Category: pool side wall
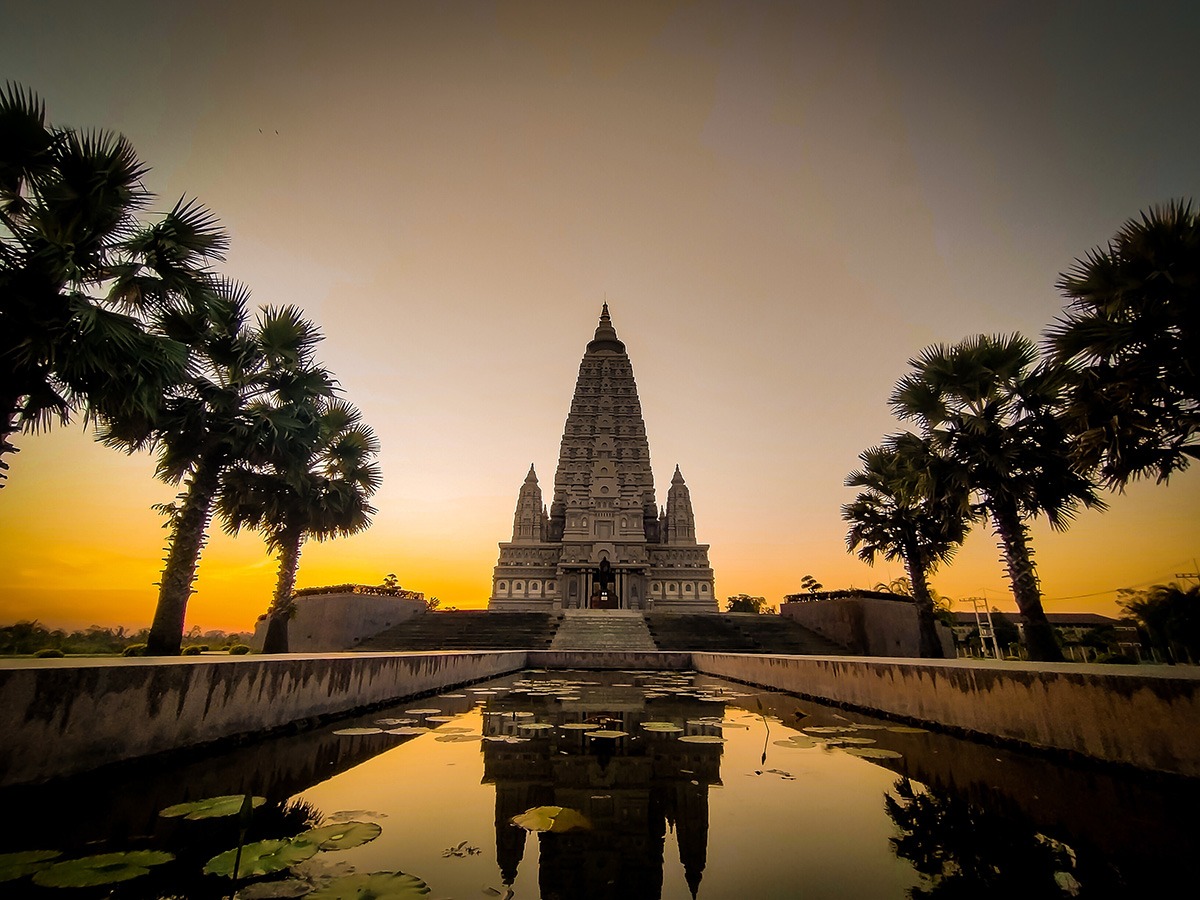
(1147, 717)
(59, 717)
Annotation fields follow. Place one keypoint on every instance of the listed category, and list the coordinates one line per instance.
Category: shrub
(239, 650)
(1117, 658)
(134, 650)
(193, 650)
(49, 653)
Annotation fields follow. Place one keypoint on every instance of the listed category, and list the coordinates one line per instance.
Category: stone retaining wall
(58, 717)
(1144, 716)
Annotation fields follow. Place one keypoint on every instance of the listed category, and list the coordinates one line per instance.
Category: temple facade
(604, 542)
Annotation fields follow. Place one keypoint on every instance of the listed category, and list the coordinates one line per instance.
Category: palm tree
(80, 276)
(321, 490)
(900, 514)
(987, 405)
(242, 402)
(1131, 329)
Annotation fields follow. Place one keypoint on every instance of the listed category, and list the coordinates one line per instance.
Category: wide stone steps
(738, 633)
(602, 629)
(467, 630)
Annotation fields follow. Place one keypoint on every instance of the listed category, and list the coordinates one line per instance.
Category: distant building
(604, 542)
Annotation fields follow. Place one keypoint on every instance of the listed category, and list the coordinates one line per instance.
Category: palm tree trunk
(930, 645)
(1014, 538)
(282, 604)
(187, 536)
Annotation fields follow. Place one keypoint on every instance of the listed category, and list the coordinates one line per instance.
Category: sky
(782, 203)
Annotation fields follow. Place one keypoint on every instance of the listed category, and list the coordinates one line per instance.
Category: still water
(678, 785)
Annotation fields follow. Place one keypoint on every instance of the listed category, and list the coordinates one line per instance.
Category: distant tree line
(1007, 430)
(117, 316)
(27, 638)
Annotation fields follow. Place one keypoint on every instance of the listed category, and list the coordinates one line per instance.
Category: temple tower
(603, 543)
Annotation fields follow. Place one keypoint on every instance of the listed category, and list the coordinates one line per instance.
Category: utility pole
(983, 621)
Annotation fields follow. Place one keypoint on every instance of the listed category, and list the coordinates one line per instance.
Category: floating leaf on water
(357, 731)
(907, 729)
(578, 726)
(855, 740)
(376, 886)
(702, 739)
(410, 729)
(106, 868)
(798, 744)
(705, 720)
(261, 858)
(658, 728)
(863, 726)
(605, 733)
(874, 753)
(440, 719)
(728, 724)
(423, 712)
(274, 890)
(535, 726)
(450, 729)
(211, 807)
(556, 819)
(353, 815)
(341, 836)
(26, 862)
(521, 714)
(393, 722)
(458, 738)
(451, 696)
(825, 729)
(655, 724)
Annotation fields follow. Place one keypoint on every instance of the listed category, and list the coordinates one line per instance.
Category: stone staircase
(467, 630)
(602, 629)
(738, 633)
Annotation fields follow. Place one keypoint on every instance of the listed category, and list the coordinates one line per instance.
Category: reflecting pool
(623, 785)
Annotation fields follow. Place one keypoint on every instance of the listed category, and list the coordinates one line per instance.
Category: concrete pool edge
(63, 717)
(1144, 717)
(60, 717)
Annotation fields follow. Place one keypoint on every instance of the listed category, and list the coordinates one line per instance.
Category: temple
(604, 542)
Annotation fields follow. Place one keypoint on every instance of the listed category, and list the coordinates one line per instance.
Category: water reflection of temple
(632, 791)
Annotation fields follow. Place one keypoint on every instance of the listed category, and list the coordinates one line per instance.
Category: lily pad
(365, 730)
(874, 753)
(578, 726)
(660, 728)
(212, 807)
(825, 729)
(422, 712)
(536, 726)
(856, 740)
(353, 815)
(261, 858)
(440, 719)
(372, 886)
(457, 738)
(451, 696)
(799, 743)
(18, 865)
(410, 729)
(702, 739)
(106, 868)
(556, 819)
(907, 729)
(606, 733)
(274, 890)
(341, 836)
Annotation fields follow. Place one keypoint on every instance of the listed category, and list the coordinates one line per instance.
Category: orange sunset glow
(781, 203)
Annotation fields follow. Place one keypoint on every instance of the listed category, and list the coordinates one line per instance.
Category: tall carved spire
(528, 523)
(681, 522)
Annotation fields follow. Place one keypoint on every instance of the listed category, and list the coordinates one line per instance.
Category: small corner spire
(678, 477)
(532, 476)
